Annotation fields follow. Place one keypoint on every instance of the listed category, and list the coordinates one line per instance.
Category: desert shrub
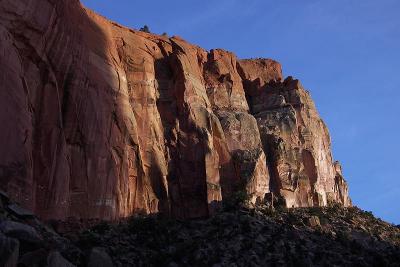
(145, 28)
(89, 239)
(102, 227)
(237, 199)
(369, 214)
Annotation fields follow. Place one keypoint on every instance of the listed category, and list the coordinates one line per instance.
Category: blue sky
(346, 52)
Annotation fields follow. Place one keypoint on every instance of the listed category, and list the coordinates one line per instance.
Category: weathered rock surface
(100, 121)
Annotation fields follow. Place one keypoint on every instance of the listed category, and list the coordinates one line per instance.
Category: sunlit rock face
(100, 121)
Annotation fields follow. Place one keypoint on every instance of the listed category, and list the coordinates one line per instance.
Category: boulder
(4, 196)
(34, 258)
(314, 221)
(9, 251)
(19, 211)
(98, 257)
(3, 202)
(20, 231)
(55, 259)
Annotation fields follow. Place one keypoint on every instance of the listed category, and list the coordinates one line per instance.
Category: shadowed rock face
(100, 121)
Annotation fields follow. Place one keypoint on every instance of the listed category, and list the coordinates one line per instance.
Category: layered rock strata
(101, 121)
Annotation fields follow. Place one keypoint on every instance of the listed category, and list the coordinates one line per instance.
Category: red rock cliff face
(100, 121)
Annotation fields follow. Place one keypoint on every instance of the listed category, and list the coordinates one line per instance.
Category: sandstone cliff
(100, 121)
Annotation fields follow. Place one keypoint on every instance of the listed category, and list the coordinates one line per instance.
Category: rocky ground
(331, 236)
(261, 236)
